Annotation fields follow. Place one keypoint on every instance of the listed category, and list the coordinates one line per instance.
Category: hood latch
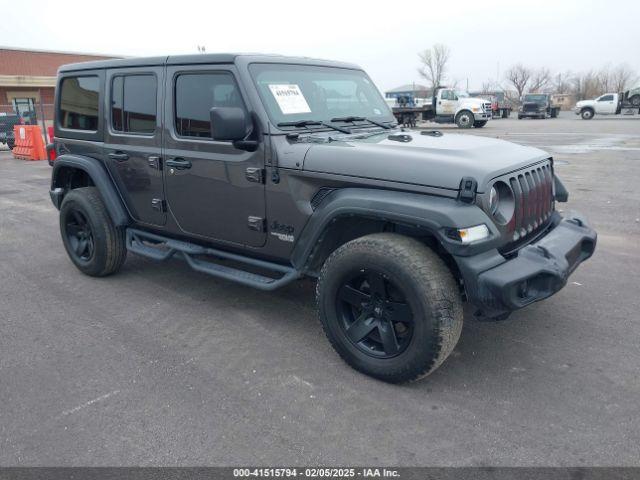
(468, 187)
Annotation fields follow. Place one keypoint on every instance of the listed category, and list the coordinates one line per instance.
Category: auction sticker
(290, 99)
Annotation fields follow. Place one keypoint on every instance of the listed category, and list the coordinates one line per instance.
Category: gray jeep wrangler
(265, 169)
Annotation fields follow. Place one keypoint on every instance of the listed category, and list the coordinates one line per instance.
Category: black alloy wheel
(375, 314)
(79, 235)
(93, 242)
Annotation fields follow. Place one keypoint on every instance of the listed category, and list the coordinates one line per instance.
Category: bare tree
(622, 77)
(434, 64)
(603, 79)
(518, 76)
(489, 86)
(562, 82)
(586, 85)
(540, 79)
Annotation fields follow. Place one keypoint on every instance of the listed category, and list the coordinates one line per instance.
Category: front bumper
(533, 114)
(496, 285)
(482, 116)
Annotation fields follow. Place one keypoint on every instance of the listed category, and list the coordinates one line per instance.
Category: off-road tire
(109, 248)
(479, 123)
(587, 113)
(464, 119)
(430, 291)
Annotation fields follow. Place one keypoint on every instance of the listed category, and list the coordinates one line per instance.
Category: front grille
(530, 107)
(534, 204)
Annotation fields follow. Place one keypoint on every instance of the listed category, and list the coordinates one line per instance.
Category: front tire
(389, 306)
(587, 114)
(479, 124)
(465, 119)
(94, 244)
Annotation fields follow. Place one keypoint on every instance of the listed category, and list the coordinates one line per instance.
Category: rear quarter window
(79, 103)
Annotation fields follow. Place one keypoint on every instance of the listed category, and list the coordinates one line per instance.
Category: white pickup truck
(607, 104)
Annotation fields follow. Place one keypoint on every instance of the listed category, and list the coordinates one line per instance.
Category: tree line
(520, 79)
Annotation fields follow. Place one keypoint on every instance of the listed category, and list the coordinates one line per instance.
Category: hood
(475, 101)
(425, 160)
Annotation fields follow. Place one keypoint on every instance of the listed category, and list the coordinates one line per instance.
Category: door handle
(178, 163)
(119, 156)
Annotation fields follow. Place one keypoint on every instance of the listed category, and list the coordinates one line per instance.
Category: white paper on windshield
(290, 99)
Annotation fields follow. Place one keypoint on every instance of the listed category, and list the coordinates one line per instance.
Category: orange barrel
(29, 143)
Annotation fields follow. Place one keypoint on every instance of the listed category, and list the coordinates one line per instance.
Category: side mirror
(228, 123)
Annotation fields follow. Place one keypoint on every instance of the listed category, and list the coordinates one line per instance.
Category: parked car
(7, 122)
(264, 169)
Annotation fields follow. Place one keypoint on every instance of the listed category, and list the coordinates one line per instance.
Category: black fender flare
(100, 178)
(432, 213)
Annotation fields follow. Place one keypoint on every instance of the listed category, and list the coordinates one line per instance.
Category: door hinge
(154, 162)
(257, 223)
(254, 174)
(159, 205)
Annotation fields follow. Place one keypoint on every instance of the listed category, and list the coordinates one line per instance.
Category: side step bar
(135, 244)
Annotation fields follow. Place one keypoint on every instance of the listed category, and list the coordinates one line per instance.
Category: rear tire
(389, 306)
(465, 119)
(94, 244)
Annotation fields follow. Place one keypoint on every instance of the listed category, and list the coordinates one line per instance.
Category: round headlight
(494, 199)
(501, 202)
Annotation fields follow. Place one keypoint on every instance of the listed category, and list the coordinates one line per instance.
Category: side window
(445, 95)
(133, 103)
(79, 103)
(196, 94)
(606, 98)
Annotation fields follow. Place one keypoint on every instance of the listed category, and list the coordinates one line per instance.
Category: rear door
(214, 190)
(133, 140)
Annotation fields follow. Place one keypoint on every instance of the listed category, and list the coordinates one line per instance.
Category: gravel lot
(160, 365)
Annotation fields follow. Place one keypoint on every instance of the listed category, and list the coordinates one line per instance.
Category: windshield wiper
(360, 119)
(307, 123)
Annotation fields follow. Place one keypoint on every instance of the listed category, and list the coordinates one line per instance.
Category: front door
(213, 189)
(605, 105)
(133, 140)
(447, 102)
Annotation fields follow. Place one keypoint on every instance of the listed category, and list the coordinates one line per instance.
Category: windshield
(295, 93)
(535, 98)
(461, 94)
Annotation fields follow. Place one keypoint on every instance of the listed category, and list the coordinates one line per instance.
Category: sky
(485, 37)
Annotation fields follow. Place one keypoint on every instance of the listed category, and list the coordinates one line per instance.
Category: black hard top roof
(198, 59)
